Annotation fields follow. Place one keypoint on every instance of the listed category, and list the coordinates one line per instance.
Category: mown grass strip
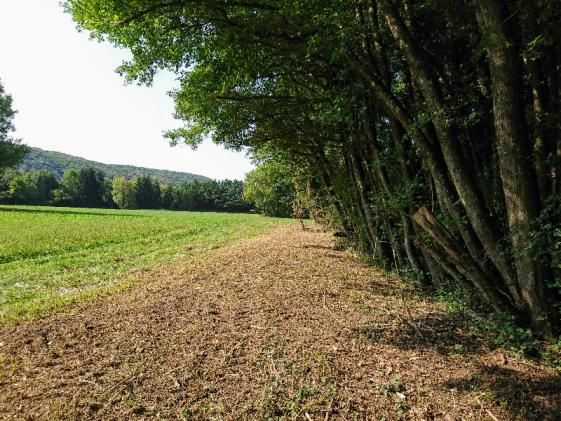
(52, 256)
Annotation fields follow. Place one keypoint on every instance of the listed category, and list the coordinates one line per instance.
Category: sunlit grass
(50, 256)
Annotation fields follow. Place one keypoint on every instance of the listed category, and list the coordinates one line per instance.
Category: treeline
(270, 188)
(143, 192)
(57, 162)
(87, 187)
(427, 131)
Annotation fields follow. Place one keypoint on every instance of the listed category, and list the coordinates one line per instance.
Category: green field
(51, 256)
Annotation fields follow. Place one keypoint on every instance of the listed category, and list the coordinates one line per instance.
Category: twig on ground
(330, 312)
(491, 415)
(409, 320)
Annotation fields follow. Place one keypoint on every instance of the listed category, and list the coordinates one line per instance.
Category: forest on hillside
(57, 163)
(426, 132)
(31, 176)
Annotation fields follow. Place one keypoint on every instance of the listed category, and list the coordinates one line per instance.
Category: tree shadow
(387, 287)
(524, 397)
(447, 334)
(328, 251)
(525, 394)
(68, 212)
(318, 247)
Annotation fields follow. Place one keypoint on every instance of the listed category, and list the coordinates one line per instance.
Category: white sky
(69, 98)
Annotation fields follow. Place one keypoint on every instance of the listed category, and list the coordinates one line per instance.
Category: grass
(51, 256)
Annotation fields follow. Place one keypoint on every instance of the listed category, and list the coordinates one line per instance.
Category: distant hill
(57, 163)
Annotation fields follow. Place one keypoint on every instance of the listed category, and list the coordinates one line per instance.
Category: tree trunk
(380, 250)
(514, 153)
(465, 264)
(455, 161)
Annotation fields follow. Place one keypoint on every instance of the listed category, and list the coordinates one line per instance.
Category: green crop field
(51, 256)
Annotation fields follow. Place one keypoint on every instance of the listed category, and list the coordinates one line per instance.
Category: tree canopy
(270, 188)
(428, 130)
(57, 163)
(88, 187)
(11, 150)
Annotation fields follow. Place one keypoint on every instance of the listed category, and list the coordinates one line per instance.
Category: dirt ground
(281, 326)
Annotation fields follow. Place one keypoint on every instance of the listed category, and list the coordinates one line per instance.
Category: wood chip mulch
(281, 326)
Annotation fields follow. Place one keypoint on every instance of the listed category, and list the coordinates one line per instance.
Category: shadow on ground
(69, 212)
(445, 333)
(325, 251)
(524, 395)
(525, 398)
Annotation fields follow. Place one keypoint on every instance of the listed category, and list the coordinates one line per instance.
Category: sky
(69, 98)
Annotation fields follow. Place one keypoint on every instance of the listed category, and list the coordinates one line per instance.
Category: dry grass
(278, 326)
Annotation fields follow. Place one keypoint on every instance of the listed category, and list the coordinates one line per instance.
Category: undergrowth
(499, 330)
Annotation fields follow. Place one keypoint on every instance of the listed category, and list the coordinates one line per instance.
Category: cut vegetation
(422, 135)
(277, 327)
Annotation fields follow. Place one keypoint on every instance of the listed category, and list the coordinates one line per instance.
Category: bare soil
(278, 326)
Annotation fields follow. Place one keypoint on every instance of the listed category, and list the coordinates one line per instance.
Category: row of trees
(143, 192)
(269, 188)
(88, 187)
(84, 187)
(427, 130)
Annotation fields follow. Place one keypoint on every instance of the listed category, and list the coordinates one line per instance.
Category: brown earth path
(281, 325)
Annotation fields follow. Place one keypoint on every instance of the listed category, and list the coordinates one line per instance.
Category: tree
(83, 187)
(270, 189)
(427, 131)
(189, 196)
(93, 187)
(71, 191)
(5, 177)
(107, 198)
(147, 193)
(229, 196)
(11, 150)
(123, 193)
(33, 188)
(166, 196)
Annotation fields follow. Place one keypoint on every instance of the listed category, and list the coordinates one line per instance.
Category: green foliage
(166, 196)
(53, 255)
(143, 193)
(382, 109)
(552, 354)
(123, 194)
(506, 333)
(270, 188)
(32, 187)
(147, 193)
(87, 187)
(194, 196)
(499, 330)
(84, 187)
(58, 163)
(11, 150)
(395, 385)
(503, 331)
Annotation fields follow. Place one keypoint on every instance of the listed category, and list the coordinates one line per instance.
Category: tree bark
(514, 152)
(380, 251)
(455, 161)
(465, 264)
